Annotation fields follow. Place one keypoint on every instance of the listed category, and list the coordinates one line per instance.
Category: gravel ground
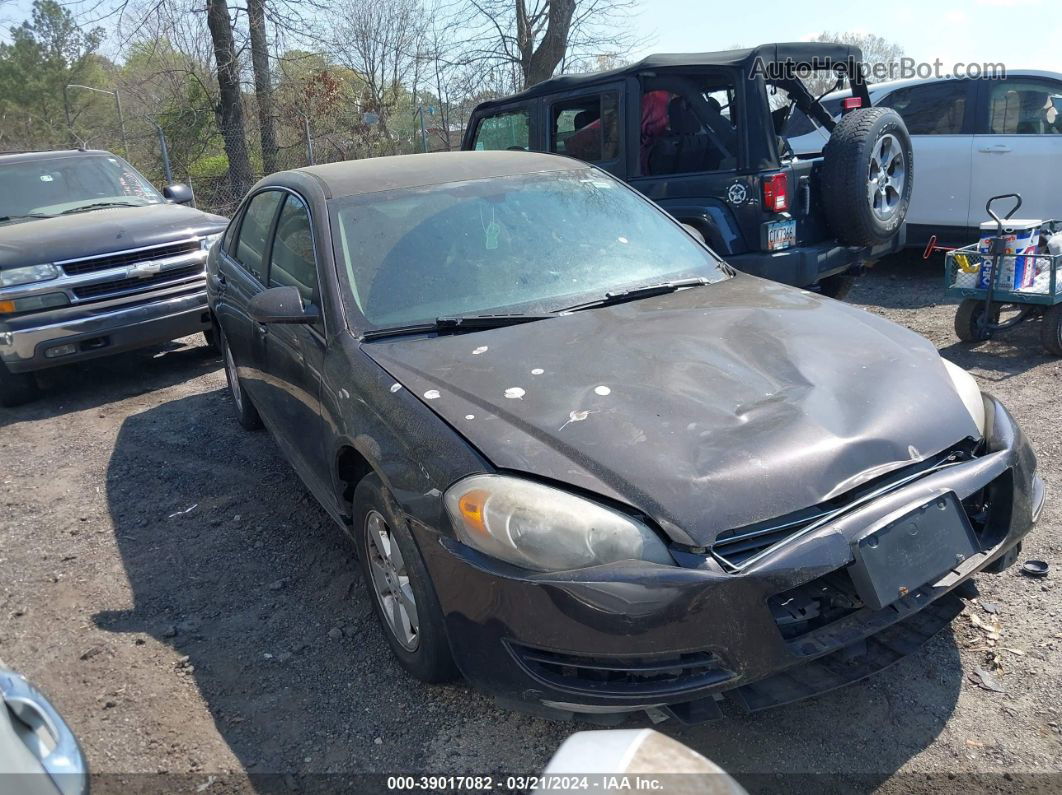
(173, 587)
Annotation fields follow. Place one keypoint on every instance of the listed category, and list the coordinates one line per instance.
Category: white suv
(973, 139)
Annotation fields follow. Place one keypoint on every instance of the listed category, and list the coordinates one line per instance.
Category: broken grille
(738, 549)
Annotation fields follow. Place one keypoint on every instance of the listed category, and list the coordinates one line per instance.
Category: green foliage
(46, 52)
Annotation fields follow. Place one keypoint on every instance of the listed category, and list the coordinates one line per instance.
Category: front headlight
(28, 274)
(969, 392)
(545, 529)
(208, 240)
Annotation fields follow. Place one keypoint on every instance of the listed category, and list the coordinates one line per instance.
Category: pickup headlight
(208, 240)
(969, 392)
(28, 274)
(545, 529)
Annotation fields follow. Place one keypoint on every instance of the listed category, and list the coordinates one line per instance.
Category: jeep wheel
(867, 176)
(16, 388)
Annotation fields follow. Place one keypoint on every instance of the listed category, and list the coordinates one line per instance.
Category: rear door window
(254, 232)
(586, 128)
(930, 109)
(509, 129)
(1024, 107)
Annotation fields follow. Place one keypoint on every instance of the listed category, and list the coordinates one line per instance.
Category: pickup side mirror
(178, 193)
(281, 305)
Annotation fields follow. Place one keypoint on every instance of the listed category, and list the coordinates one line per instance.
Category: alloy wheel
(390, 581)
(887, 178)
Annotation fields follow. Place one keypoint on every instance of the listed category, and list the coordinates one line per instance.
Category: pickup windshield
(47, 187)
(527, 244)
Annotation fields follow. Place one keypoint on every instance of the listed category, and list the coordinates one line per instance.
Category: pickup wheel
(246, 413)
(17, 388)
(402, 593)
(1051, 330)
(867, 176)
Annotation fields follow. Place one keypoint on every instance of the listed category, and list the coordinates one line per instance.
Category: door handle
(222, 283)
(998, 149)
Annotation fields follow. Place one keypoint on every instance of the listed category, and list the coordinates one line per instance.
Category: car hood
(101, 232)
(706, 409)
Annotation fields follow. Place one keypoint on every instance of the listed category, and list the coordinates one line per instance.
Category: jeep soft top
(700, 135)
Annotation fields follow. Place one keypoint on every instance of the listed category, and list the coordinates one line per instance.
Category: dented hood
(706, 409)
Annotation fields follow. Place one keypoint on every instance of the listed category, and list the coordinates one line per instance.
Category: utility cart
(1012, 269)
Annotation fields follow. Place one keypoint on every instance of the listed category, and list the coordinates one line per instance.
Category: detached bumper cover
(94, 332)
(632, 635)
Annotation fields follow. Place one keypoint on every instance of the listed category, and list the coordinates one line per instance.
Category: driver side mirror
(281, 305)
(178, 193)
(695, 233)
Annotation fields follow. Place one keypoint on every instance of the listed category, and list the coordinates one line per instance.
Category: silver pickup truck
(93, 261)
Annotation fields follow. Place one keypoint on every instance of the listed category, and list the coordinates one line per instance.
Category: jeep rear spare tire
(867, 176)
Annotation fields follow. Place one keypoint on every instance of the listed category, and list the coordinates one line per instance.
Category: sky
(1018, 33)
(1022, 34)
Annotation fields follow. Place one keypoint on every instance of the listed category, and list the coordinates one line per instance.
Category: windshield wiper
(453, 325)
(635, 293)
(6, 218)
(95, 206)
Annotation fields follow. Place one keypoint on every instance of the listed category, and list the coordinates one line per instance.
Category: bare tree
(263, 84)
(878, 53)
(379, 40)
(530, 39)
(230, 100)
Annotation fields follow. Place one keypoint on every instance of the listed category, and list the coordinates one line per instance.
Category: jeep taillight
(776, 193)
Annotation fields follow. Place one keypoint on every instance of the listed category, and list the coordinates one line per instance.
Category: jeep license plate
(781, 234)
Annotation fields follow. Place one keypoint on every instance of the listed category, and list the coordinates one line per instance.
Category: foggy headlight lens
(969, 392)
(28, 274)
(545, 529)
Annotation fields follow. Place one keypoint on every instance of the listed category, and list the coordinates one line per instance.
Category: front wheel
(968, 319)
(402, 594)
(16, 388)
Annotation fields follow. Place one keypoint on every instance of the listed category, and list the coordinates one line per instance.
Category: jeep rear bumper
(803, 266)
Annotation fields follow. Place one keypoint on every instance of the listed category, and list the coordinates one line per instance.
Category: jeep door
(586, 125)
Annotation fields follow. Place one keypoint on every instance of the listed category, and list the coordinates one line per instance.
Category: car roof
(22, 157)
(891, 85)
(797, 53)
(372, 175)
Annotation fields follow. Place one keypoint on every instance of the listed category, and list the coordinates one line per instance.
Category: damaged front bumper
(636, 636)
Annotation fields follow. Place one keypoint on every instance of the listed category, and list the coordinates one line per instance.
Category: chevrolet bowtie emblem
(143, 269)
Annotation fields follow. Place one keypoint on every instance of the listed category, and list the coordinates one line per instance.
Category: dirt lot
(190, 609)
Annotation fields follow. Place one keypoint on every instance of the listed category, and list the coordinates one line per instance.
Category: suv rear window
(930, 109)
(507, 130)
(586, 128)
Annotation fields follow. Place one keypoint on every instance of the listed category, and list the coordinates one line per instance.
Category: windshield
(525, 244)
(52, 186)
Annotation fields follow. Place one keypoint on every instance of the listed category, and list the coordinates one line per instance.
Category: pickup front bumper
(72, 334)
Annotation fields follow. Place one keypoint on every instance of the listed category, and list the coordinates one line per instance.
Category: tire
(246, 413)
(1051, 330)
(867, 176)
(210, 337)
(837, 286)
(380, 533)
(968, 316)
(17, 388)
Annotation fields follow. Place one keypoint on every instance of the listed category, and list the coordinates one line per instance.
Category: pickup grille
(119, 259)
(134, 285)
